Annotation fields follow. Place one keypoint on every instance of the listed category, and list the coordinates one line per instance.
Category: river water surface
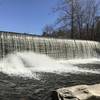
(31, 76)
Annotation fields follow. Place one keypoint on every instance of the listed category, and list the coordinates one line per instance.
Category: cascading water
(56, 48)
(23, 55)
(27, 64)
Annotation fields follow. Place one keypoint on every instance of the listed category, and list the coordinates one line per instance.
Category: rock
(79, 92)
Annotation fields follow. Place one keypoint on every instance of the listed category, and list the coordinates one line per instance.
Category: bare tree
(79, 17)
(91, 9)
(70, 13)
(48, 30)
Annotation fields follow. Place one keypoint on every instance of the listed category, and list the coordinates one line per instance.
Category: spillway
(56, 48)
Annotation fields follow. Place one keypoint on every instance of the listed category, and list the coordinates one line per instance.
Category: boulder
(79, 92)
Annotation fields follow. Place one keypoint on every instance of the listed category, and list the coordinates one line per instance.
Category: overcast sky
(27, 16)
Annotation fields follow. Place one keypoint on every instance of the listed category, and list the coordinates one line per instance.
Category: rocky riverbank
(79, 92)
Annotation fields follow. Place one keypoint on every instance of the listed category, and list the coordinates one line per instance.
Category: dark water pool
(17, 88)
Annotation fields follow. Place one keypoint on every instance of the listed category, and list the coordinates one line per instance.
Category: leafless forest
(77, 19)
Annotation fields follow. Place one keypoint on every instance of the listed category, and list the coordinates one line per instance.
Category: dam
(57, 48)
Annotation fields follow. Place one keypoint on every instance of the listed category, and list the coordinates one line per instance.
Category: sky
(26, 16)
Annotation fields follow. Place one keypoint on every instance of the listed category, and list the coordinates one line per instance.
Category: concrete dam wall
(56, 48)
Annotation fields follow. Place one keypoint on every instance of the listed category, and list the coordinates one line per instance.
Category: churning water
(27, 64)
(73, 62)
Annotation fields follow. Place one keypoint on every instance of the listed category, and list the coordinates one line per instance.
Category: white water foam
(81, 61)
(26, 64)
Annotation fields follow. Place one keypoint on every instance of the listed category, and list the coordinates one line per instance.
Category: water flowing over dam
(56, 48)
(31, 66)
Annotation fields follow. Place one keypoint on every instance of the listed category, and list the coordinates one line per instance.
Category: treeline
(78, 19)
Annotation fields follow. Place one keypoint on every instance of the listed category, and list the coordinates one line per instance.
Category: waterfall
(56, 48)
(26, 55)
